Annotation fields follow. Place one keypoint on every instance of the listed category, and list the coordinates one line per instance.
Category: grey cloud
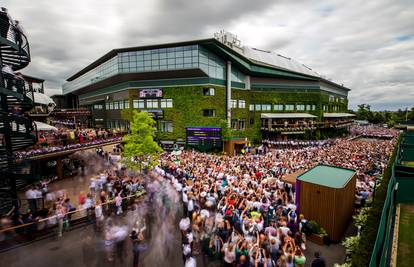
(355, 42)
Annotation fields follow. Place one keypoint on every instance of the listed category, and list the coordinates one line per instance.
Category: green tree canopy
(140, 150)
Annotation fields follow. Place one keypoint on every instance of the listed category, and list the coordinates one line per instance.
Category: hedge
(362, 254)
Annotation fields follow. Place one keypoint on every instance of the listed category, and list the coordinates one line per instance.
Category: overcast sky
(367, 45)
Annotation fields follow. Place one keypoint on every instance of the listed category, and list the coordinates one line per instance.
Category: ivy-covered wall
(189, 103)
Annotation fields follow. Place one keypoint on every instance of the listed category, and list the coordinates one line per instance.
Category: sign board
(156, 113)
(150, 93)
(204, 138)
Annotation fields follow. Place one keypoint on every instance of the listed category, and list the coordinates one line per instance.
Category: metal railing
(46, 223)
(12, 33)
(13, 83)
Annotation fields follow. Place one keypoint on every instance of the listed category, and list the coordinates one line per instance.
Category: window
(234, 124)
(266, 107)
(107, 105)
(300, 107)
(126, 104)
(331, 98)
(166, 126)
(242, 104)
(166, 103)
(138, 103)
(251, 107)
(308, 107)
(98, 107)
(290, 107)
(111, 105)
(242, 124)
(152, 103)
(209, 112)
(278, 107)
(313, 107)
(209, 91)
(233, 103)
(258, 107)
(121, 104)
(325, 107)
(342, 100)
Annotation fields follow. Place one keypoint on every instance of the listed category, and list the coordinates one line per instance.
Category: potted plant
(317, 234)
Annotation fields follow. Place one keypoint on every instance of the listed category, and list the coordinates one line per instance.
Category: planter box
(317, 239)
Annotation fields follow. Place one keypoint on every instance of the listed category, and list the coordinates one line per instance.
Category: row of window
(241, 103)
(336, 99)
(282, 107)
(331, 108)
(238, 124)
(152, 103)
(115, 105)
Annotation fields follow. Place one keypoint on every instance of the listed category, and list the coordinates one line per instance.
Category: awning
(286, 115)
(337, 115)
(41, 126)
(43, 99)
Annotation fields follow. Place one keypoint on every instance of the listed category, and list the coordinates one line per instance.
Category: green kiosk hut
(326, 195)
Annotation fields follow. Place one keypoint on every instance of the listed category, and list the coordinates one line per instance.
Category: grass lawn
(405, 256)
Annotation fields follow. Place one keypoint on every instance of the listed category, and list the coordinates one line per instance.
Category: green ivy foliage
(189, 102)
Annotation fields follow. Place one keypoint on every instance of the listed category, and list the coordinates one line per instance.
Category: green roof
(329, 176)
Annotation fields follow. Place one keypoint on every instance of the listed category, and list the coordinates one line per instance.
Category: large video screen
(204, 138)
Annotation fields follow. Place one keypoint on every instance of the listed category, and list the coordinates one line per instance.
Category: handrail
(14, 35)
(137, 194)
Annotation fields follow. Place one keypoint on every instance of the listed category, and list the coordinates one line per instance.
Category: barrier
(399, 190)
(18, 235)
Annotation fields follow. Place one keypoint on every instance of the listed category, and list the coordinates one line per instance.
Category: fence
(399, 190)
(47, 226)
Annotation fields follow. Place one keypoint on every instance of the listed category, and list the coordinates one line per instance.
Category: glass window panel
(179, 60)
(171, 61)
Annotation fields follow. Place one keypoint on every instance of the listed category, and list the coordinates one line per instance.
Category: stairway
(17, 131)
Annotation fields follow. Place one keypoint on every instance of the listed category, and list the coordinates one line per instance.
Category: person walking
(118, 203)
(318, 261)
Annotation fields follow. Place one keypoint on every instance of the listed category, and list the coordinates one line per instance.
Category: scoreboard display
(204, 138)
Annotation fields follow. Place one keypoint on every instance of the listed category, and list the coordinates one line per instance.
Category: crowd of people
(58, 148)
(239, 209)
(373, 131)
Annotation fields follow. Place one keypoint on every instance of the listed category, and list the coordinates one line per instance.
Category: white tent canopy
(337, 115)
(286, 115)
(41, 126)
(43, 99)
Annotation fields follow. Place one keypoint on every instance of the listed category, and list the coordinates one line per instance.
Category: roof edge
(115, 51)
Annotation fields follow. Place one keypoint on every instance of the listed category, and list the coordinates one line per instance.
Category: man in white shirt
(31, 198)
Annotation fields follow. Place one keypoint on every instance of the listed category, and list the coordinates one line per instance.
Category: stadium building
(195, 88)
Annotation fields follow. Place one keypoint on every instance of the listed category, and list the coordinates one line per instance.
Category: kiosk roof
(329, 176)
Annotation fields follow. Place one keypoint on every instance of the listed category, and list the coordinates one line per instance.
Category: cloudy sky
(367, 45)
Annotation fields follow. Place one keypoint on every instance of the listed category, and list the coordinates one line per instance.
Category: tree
(364, 112)
(140, 150)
